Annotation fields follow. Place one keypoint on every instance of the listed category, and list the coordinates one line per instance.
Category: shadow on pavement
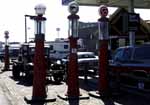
(41, 103)
(29, 81)
(87, 85)
(73, 102)
(108, 101)
(130, 99)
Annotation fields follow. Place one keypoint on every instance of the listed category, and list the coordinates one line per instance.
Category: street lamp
(6, 51)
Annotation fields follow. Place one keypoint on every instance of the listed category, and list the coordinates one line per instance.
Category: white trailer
(59, 49)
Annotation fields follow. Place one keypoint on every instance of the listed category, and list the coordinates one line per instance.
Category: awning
(116, 3)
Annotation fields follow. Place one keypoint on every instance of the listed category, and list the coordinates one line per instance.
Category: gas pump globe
(6, 37)
(73, 19)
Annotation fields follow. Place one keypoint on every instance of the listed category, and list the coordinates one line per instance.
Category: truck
(23, 66)
(59, 49)
(129, 68)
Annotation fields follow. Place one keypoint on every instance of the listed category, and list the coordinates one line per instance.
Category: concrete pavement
(4, 97)
(12, 92)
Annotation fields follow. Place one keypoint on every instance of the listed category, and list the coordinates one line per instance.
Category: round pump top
(40, 9)
(73, 7)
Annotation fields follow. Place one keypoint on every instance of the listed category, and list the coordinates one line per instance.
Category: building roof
(116, 28)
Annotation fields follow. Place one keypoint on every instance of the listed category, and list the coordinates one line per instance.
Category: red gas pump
(73, 83)
(6, 59)
(103, 53)
(103, 50)
(73, 91)
(39, 73)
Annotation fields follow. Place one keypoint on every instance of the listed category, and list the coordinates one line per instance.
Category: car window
(142, 53)
(127, 54)
(80, 56)
(123, 54)
(91, 56)
(117, 54)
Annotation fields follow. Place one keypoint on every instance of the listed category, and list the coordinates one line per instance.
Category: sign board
(133, 21)
(66, 2)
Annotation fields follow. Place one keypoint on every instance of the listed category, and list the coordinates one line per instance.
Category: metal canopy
(116, 3)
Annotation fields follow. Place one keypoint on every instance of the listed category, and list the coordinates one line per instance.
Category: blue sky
(13, 11)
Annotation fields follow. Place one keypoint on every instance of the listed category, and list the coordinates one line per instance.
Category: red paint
(39, 80)
(103, 65)
(6, 57)
(73, 83)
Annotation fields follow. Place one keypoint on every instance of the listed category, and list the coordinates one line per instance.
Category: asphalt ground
(16, 90)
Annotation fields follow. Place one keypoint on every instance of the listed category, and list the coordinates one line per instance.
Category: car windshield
(85, 56)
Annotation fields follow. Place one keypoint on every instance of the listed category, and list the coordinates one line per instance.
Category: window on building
(51, 47)
(65, 46)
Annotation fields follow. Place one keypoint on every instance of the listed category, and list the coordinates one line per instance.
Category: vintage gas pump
(6, 67)
(103, 52)
(39, 73)
(39, 79)
(73, 83)
(73, 91)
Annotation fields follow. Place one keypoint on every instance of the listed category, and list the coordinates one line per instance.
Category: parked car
(86, 60)
(131, 58)
(13, 51)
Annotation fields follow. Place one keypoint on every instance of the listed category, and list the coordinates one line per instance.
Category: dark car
(86, 60)
(132, 62)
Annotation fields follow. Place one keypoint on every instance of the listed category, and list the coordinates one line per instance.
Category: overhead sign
(133, 21)
(66, 2)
